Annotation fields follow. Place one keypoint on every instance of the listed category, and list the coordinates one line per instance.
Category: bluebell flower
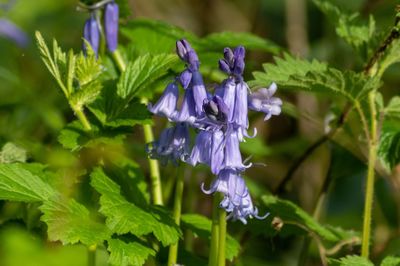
(12, 32)
(233, 62)
(187, 112)
(173, 144)
(166, 105)
(263, 101)
(91, 33)
(237, 201)
(111, 15)
(232, 155)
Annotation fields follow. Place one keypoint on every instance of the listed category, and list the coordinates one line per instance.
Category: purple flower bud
(216, 110)
(111, 15)
(185, 77)
(238, 67)
(223, 66)
(228, 55)
(182, 48)
(166, 105)
(228, 91)
(91, 34)
(262, 101)
(12, 32)
(239, 53)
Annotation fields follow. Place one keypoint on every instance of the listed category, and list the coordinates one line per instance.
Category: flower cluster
(92, 28)
(221, 120)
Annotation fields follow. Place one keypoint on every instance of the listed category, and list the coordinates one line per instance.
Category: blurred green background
(33, 111)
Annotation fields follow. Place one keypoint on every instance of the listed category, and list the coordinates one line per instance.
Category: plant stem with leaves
(180, 182)
(148, 137)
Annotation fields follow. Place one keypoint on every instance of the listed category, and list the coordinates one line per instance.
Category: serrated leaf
(18, 184)
(389, 147)
(393, 108)
(348, 26)
(74, 136)
(152, 36)
(10, 153)
(142, 72)
(113, 111)
(125, 217)
(391, 56)
(391, 261)
(201, 226)
(70, 223)
(124, 254)
(290, 212)
(351, 261)
(86, 94)
(298, 74)
(218, 41)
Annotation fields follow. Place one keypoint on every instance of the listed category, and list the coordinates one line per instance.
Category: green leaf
(124, 254)
(142, 72)
(391, 261)
(389, 147)
(391, 56)
(53, 61)
(348, 26)
(218, 41)
(152, 36)
(10, 153)
(75, 137)
(18, 184)
(393, 108)
(351, 261)
(70, 223)
(298, 74)
(125, 217)
(201, 226)
(112, 111)
(290, 213)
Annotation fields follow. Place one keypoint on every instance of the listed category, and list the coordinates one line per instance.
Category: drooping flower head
(237, 201)
(166, 105)
(91, 33)
(111, 15)
(263, 101)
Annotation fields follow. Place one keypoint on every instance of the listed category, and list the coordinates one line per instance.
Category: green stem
(222, 237)
(82, 117)
(180, 182)
(213, 257)
(119, 60)
(369, 194)
(92, 255)
(148, 137)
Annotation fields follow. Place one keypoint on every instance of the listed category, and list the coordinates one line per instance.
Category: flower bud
(91, 34)
(111, 15)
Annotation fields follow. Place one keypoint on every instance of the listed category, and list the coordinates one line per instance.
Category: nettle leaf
(348, 26)
(113, 111)
(218, 41)
(152, 36)
(390, 261)
(201, 226)
(75, 137)
(125, 217)
(19, 184)
(142, 72)
(290, 213)
(10, 153)
(124, 254)
(298, 74)
(351, 261)
(389, 146)
(391, 56)
(70, 223)
(393, 108)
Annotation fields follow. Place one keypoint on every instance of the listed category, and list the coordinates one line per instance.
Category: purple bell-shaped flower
(166, 105)
(263, 101)
(111, 15)
(91, 34)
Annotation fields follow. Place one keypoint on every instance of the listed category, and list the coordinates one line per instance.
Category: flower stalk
(180, 182)
(222, 236)
(214, 247)
(92, 255)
